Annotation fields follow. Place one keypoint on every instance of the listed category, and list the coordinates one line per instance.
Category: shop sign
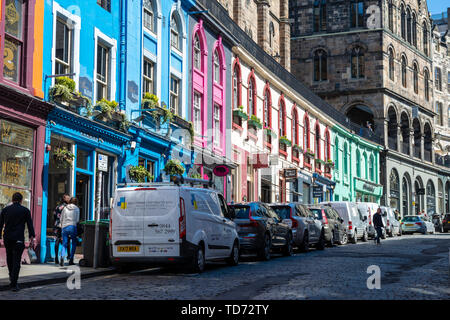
(368, 187)
(16, 135)
(290, 174)
(102, 162)
(317, 191)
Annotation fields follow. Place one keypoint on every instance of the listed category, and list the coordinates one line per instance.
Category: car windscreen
(410, 219)
(283, 211)
(242, 212)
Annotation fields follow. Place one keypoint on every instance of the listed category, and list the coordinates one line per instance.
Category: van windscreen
(283, 211)
(242, 212)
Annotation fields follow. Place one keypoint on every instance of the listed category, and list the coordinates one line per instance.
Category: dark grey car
(306, 230)
(261, 230)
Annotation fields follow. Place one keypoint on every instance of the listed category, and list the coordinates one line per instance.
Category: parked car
(166, 224)
(368, 209)
(261, 230)
(411, 224)
(306, 230)
(446, 222)
(354, 222)
(392, 226)
(438, 222)
(334, 229)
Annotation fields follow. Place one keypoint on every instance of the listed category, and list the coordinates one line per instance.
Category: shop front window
(149, 165)
(82, 159)
(16, 158)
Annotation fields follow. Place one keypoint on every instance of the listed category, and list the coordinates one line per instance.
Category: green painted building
(356, 167)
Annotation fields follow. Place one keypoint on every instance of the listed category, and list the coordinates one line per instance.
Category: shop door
(82, 193)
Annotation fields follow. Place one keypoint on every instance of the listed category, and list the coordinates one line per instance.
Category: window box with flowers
(309, 153)
(240, 113)
(329, 163)
(63, 93)
(297, 148)
(159, 114)
(269, 132)
(285, 141)
(254, 122)
(110, 115)
(319, 161)
(139, 174)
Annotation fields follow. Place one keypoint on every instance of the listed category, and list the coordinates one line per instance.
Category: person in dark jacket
(378, 224)
(57, 228)
(13, 218)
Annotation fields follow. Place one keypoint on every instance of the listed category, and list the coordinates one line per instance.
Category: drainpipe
(123, 49)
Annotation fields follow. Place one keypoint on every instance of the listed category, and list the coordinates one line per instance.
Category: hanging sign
(102, 162)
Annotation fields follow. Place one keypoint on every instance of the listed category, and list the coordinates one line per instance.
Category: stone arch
(417, 127)
(392, 116)
(406, 193)
(418, 184)
(405, 125)
(360, 113)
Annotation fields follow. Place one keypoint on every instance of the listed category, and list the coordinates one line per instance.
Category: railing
(222, 17)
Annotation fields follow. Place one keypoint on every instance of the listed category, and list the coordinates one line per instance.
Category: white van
(354, 222)
(368, 209)
(166, 223)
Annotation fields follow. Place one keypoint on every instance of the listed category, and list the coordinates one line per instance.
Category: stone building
(266, 22)
(372, 61)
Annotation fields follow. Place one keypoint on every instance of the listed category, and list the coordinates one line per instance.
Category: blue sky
(438, 6)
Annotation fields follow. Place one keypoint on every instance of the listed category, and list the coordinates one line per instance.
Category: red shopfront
(22, 148)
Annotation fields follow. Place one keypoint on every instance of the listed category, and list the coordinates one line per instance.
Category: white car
(391, 223)
(167, 224)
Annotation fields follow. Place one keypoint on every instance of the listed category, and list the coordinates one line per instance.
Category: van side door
(228, 227)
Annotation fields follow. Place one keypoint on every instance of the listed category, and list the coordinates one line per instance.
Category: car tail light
(388, 223)
(444, 221)
(370, 218)
(182, 220)
(324, 216)
(419, 223)
(294, 222)
(350, 227)
(110, 228)
(253, 223)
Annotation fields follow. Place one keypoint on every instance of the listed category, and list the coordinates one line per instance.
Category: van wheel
(365, 237)
(287, 250)
(400, 232)
(198, 261)
(304, 247)
(355, 238)
(383, 235)
(233, 260)
(344, 239)
(264, 253)
(123, 269)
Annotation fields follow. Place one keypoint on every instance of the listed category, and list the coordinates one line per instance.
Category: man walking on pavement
(14, 218)
(57, 229)
(378, 224)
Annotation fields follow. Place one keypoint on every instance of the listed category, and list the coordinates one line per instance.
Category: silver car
(411, 224)
(306, 230)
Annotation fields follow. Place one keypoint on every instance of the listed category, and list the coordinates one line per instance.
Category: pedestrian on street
(57, 226)
(69, 219)
(378, 224)
(13, 218)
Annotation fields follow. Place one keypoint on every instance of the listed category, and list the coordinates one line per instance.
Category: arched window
(320, 65)
(440, 196)
(317, 142)
(431, 198)
(267, 117)
(271, 33)
(426, 84)
(416, 78)
(414, 29)
(404, 71)
(295, 152)
(251, 96)
(425, 38)
(236, 86)
(345, 159)
(439, 115)
(403, 21)
(306, 133)
(320, 15)
(408, 25)
(417, 138)
(394, 186)
(391, 16)
(358, 164)
(371, 169)
(438, 78)
(357, 14)
(405, 130)
(357, 63)
(197, 53)
(149, 16)
(175, 33)
(427, 142)
(392, 128)
(336, 154)
(327, 146)
(391, 64)
(216, 68)
(405, 196)
(282, 118)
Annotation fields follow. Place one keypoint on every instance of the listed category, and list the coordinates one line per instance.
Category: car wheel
(123, 269)
(304, 247)
(383, 235)
(321, 244)
(233, 259)
(287, 251)
(400, 232)
(198, 261)
(264, 254)
(331, 242)
(365, 237)
(355, 238)
(344, 239)
(445, 230)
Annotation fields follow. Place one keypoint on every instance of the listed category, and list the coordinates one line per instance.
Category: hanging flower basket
(285, 141)
(63, 158)
(254, 122)
(174, 168)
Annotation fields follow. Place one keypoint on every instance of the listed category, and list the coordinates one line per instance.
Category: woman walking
(69, 219)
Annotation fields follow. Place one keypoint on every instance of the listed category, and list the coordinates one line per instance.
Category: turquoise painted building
(356, 167)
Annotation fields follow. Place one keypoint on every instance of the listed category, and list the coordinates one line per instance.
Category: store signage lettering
(89, 136)
(16, 135)
(317, 191)
(290, 173)
(368, 187)
(9, 58)
(13, 172)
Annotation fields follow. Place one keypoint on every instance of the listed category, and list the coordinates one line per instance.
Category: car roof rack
(178, 181)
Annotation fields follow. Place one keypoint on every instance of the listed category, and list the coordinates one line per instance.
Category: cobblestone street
(412, 267)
